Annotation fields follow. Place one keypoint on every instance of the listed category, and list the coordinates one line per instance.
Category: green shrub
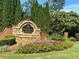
(72, 39)
(56, 37)
(34, 48)
(58, 48)
(39, 48)
(66, 44)
(2, 42)
(8, 40)
(4, 48)
(77, 36)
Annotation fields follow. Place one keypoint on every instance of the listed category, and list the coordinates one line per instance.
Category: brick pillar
(43, 35)
(65, 34)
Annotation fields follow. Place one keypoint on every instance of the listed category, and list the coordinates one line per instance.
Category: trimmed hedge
(9, 37)
(8, 40)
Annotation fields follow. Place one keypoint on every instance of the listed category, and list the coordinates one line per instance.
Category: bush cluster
(77, 36)
(4, 48)
(8, 40)
(66, 44)
(60, 38)
(43, 47)
(71, 39)
(10, 37)
(56, 37)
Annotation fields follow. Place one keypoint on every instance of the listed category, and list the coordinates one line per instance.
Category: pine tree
(1, 8)
(18, 12)
(1, 15)
(40, 15)
(47, 18)
(35, 12)
(8, 12)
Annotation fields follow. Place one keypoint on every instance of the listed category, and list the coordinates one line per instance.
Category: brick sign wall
(6, 32)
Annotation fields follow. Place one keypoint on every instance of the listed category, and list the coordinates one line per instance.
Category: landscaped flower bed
(39, 46)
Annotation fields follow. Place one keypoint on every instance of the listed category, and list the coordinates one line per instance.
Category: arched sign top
(22, 23)
(26, 27)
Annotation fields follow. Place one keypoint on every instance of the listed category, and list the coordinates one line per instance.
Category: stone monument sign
(25, 32)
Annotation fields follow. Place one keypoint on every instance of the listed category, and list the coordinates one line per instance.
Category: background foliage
(48, 16)
(64, 21)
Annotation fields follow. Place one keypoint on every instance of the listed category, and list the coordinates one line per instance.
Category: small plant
(4, 48)
(8, 40)
(9, 37)
(66, 44)
(72, 39)
(56, 37)
(77, 36)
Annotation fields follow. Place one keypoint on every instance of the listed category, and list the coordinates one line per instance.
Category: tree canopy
(62, 21)
(47, 17)
(10, 12)
(40, 15)
(56, 5)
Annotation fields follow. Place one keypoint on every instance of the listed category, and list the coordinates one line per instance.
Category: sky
(70, 5)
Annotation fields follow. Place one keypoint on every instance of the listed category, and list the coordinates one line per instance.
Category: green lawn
(72, 53)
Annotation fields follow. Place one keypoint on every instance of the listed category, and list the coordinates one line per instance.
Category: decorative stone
(25, 32)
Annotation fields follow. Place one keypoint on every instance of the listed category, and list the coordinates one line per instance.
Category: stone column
(65, 34)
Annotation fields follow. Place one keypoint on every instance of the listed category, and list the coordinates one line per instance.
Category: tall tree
(40, 15)
(18, 12)
(46, 17)
(34, 10)
(56, 5)
(1, 8)
(8, 13)
(63, 21)
(1, 15)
